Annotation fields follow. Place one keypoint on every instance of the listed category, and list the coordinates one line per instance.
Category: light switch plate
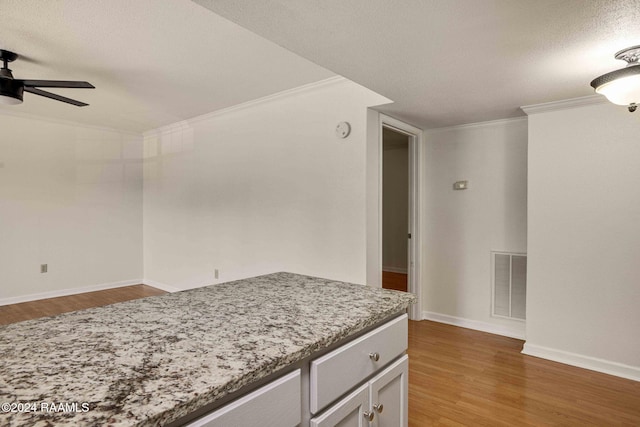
(460, 185)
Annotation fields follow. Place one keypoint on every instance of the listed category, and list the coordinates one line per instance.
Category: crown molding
(185, 124)
(30, 116)
(564, 104)
(479, 124)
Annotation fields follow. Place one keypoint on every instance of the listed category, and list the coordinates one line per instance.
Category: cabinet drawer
(337, 372)
(277, 404)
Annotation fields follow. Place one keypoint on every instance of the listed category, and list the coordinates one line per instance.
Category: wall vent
(509, 285)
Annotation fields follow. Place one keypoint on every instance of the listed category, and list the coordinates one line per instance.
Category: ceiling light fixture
(10, 90)
(622, 87)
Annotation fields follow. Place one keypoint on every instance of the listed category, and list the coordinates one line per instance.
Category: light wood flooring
(457, 376)
(461, 377)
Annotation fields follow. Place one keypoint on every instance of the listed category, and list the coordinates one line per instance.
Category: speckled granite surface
(148, 362)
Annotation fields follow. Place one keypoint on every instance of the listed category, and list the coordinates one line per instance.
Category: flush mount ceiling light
(622, 87)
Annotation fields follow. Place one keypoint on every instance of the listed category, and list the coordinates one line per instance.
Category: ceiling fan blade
(57, 83)
(54, 96)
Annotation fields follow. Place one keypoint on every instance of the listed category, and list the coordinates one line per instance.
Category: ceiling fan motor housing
(5, 73)
(12, 89)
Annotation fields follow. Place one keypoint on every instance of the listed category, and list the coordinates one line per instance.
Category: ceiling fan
(11, 90)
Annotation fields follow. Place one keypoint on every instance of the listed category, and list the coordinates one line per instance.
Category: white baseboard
(70, 291)
(473, 324)
(162, 286)
(394, 270)
(581, 361)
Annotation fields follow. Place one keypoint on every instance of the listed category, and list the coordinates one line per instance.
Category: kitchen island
(153, 361)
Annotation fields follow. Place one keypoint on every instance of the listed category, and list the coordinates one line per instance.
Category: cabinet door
(389, 395)
(349, 412)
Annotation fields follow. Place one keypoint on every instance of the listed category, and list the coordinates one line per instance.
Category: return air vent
(509, 285)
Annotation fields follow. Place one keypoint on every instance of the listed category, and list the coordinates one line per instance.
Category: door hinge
(409, 235)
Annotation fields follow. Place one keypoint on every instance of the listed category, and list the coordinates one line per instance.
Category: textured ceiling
(448, 62)
(443, 62)
(153, 63)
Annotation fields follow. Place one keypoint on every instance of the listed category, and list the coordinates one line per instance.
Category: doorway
(395, 209)
(411, 206)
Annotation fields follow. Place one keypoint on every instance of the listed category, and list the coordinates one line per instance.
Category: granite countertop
(150, 361)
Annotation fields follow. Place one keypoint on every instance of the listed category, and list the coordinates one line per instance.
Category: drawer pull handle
(378, 407)
(368, 415)
(374, 356)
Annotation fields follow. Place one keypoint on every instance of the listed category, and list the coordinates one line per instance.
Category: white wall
(260, 188)
(395, 206)
(462, 227)
(374, 202)
(584, 238)
(70, 197)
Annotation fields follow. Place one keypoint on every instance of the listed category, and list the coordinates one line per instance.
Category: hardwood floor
(52, 306)
(460, 377)
(457, 376)
(397, 281)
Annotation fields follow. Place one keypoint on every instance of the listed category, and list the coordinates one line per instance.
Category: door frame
(414, 255)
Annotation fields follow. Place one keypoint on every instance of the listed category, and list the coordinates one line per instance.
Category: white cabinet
(339, 371)
(388, 395)
(380, 402)
(376, 369)
(363, 383)
(352, 411)
(277, 404)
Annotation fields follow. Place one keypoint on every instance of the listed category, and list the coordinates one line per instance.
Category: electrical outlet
(215, 273)
(44, 268)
